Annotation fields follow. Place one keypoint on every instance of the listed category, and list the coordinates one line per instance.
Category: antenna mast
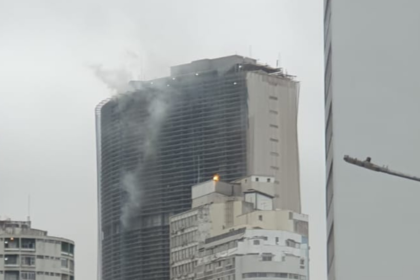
(29, 208)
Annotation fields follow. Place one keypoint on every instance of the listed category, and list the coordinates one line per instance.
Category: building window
(11, 243)
(277, 240)
(267, 258)
(64, 263)
(11, 260)
(260, 217)
(292, 243)
(28, 260)
(27, 275)
(11, 275)
(71, 263)
(28, 244)
(256, 242)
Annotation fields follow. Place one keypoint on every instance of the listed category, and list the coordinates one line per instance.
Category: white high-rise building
(30, 254)
(233, 232)
(372, 97)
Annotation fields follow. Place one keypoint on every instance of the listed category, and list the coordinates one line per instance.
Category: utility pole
(374, 167)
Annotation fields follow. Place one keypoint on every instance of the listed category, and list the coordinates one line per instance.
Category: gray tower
(228, 116)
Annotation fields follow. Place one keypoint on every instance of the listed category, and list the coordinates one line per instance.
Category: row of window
(17, 243)
(226, 277)
(184, 223)
(273, 275)
(184, 239)
(31, 275)
(288, 243)
(183, 254)
(30, 244)
(220, 248)
(228, 263)
(15, 260)
(183, 269)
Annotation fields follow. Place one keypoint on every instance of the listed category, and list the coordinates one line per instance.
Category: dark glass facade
(203, 133)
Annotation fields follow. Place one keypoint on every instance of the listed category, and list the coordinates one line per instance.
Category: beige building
(220, 227)
(30, 254)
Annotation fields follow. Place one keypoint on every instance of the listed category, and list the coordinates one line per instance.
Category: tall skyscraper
(228, 116)
(371, 109)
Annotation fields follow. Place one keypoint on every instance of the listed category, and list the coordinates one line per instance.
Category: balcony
(28, 244)
(11, 260)
(11, 244)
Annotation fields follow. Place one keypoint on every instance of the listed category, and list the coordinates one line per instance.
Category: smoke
(129, 185)
(145, 130)
(117, 79)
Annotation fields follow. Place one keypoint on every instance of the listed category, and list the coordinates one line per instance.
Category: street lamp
(374, 167)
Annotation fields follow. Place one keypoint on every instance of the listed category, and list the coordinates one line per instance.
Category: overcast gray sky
(48, 93)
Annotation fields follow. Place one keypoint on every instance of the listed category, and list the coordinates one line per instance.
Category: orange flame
(216, 178)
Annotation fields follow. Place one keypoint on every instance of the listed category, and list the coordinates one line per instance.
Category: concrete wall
(249, 250)
(272, 135)
(285, 259)
(260, 201)
(372, 105)
(210, 187)
(265, 184)
(223, 216)
(270, 220)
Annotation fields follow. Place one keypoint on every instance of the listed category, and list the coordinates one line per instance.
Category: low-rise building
(30, 254)
(233, 232)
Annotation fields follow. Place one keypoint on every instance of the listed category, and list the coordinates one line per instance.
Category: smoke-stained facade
(168, 134)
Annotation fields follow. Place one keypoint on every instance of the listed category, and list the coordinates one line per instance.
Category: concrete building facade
(253, 253)
(30, 254)
(371, 109)
(233, 232)
(230, 116)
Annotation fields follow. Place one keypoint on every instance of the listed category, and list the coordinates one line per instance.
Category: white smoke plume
(158, 104)
(116, 80)
(148, 130)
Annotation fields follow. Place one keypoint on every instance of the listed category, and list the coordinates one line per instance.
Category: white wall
(376, 97)
(285, 259)
(272, 135)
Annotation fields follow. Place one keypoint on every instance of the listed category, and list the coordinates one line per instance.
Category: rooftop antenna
(29, 208)
(278, 60)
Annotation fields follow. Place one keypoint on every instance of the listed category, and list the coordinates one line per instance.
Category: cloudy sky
(49, 93)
